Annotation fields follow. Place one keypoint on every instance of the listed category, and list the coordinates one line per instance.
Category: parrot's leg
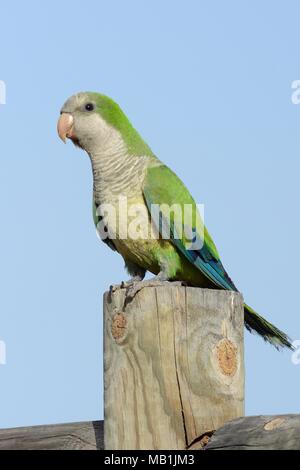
(158, 280)
(137, 275)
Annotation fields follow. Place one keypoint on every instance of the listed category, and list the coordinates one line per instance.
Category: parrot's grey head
(83, 120)
(95, 123)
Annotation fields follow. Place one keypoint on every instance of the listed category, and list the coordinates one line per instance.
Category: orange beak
(65, 126)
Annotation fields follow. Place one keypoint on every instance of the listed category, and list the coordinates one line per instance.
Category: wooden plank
(174, 367)
(281, 432)
(72, 436)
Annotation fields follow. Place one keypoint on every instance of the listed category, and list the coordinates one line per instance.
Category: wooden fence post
(174, 366)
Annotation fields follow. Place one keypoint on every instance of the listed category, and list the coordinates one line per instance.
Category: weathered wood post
(174, 366)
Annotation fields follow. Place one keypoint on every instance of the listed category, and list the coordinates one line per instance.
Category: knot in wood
(119, 325)
(227, 357)
(274, 424)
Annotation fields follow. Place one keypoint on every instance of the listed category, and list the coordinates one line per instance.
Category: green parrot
(124, 166)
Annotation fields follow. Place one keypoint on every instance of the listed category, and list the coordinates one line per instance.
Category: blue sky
(208, 85)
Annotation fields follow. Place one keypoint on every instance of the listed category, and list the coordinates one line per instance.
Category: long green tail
(269, 332)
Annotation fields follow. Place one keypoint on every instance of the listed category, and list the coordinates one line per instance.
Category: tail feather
(269, 332)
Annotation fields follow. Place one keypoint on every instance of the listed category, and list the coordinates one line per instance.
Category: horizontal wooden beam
(71, 436)
(279, 432)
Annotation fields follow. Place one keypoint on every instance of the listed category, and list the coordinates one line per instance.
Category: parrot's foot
(114, 287)
(154, 282)
(125, 284)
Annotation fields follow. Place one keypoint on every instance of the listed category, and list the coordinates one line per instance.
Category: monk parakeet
(125, 167)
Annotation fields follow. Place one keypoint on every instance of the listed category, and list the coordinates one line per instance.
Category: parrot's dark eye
(89, 107)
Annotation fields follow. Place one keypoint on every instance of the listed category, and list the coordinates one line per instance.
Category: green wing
(163, 187)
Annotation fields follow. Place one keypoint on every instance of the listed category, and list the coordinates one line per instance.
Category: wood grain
(72, 436)
(258, 433)
(280, 432)
(174, 366)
